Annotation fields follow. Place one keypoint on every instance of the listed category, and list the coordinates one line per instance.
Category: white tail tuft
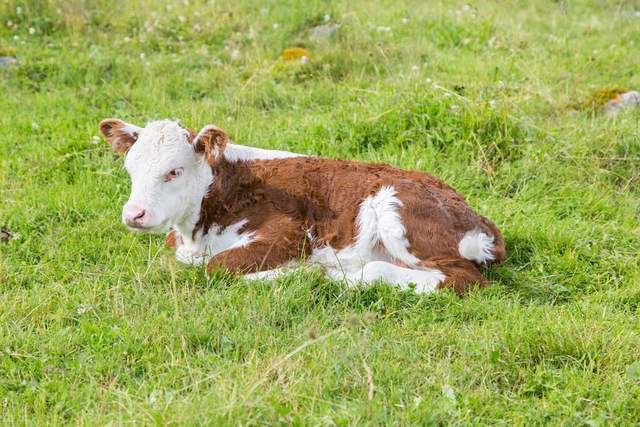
(477, 246)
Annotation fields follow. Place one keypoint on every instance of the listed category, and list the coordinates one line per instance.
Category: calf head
(170, 169)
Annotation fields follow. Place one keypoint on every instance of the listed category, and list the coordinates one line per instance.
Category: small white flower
(384, 29)
(82, 309)
(500, 84)
(32, 30)
(428, 80)
(9, 23)
(95, 140)
(142, 56)
(466, 8)
(126, 39)
(35, 125)
(185, 2)
(405, 20)
(182, 19)
(414, 68)
(235, 54)
(18, 10)
(276, 26)
(16, 38)
(304, 59)
(327, 18)
(447, 95)
(492, 103)
(168, 8)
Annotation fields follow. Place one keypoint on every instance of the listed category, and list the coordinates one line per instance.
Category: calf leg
(424, 279)
(456, 273)
(256, 257)
(276, 243)
(267, 274)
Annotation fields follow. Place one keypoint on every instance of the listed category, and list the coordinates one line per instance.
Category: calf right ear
(120, 135)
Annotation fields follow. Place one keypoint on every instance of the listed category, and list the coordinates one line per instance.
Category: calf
(260, 212)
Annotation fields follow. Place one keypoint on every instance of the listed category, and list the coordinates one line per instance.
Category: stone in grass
(624, 101)
(633, 371)
(322, 32)
(5, 235)
(6, 61)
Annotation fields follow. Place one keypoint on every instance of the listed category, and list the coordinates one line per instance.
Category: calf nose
(134, 216)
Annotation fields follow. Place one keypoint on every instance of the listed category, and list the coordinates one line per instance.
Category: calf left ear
(120, 135)
(211, 141)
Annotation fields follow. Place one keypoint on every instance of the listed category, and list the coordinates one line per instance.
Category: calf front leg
(275, 244)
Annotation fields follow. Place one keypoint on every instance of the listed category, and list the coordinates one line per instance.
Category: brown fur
(282, 198)
(120, 141)
(172, 241)
(211, 142)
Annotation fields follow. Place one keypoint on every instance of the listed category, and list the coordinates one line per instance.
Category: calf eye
(173, 174)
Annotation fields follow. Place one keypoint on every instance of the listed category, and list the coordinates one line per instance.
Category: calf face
(170, 170)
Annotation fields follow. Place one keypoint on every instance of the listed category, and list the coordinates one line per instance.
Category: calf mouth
(163, 227)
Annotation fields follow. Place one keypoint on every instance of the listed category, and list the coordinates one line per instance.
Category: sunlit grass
(98, 325)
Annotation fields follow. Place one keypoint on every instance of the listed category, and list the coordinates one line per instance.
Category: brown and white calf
(260, 212)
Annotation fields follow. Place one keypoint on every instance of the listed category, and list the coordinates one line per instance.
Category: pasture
(99, 325)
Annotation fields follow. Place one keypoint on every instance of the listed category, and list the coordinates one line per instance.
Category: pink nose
(134, 216)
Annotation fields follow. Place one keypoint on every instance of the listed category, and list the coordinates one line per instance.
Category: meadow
(101, 326)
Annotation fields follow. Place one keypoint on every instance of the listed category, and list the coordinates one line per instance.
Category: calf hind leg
(424, 279)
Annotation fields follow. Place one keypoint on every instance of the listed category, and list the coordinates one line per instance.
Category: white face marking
(168, 178)
(477, 246)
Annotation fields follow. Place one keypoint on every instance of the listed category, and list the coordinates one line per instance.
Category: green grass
(98, 325)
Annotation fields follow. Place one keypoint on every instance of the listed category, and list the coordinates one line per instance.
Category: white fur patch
(234, 153)
(477, 246)
(379, 222)
(217, 240)
(268, 274)
(425, 280)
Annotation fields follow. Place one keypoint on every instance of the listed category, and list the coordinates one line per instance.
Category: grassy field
(100, 326)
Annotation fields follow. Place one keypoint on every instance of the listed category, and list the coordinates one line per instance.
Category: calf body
(260, 212)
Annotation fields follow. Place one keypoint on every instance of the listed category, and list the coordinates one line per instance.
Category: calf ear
(120, 135)
(211, 141)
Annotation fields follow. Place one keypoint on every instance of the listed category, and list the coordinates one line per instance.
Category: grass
(100, 326)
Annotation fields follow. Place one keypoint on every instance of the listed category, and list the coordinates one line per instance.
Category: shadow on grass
(520, 275)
